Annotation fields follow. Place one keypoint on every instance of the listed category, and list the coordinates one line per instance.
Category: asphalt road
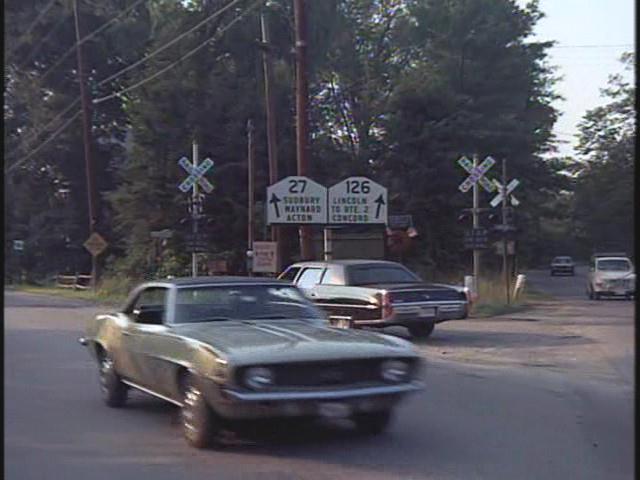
(534, 396)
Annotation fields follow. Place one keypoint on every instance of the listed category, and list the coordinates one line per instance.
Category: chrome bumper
(241, 405)
(325, 395)
(407, 314)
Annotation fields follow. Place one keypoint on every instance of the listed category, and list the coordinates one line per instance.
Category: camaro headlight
(258, 377)
(394, 371)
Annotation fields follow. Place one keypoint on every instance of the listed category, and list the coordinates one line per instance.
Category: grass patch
(535, 295)
(110, 292)
(492, 299)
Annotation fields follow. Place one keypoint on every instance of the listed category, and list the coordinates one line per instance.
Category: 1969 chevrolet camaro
(232, 348)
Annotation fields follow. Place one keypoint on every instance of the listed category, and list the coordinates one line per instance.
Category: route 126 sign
(357, 200)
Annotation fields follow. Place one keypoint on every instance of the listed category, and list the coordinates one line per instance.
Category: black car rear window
(369, 274)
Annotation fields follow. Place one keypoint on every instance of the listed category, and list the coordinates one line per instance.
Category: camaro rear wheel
(199, 423)
(372, 423)
(422, 330)
(113, 390)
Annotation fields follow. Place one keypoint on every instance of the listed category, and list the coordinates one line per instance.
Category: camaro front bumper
(235, 404)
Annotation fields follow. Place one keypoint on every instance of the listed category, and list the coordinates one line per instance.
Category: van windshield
(614, 265)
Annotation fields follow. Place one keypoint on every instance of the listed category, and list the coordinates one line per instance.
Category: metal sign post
(95, 244)
(476, 175)
(505, 190)
(196, 178)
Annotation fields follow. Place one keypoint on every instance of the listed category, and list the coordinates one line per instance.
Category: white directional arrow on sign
(476, 174)
(196, 175)
(510, 188)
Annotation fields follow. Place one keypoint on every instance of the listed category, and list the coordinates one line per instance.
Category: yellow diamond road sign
(95, 244)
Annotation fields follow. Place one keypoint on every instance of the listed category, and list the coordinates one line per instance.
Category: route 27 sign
(296, 200)
(357, 200)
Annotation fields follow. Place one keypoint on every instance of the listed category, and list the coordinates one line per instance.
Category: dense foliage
(399, 90)
(603, 206)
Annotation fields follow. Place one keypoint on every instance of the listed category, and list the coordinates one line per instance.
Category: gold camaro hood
(275, 341)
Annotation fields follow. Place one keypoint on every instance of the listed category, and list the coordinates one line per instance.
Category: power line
(30, 27)
(622, 45)
(183, 57)
(187, 55)
(35, 49)
(171, 42)
(89, 37)
(51, 138)
(37, 132)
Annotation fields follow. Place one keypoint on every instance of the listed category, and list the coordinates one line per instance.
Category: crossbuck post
(194, 211)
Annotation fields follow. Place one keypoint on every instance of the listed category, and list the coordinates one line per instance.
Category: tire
(114, 392)
(372, 423)
(552, 273)
(422, 330)
(596, 296)
(200, 425)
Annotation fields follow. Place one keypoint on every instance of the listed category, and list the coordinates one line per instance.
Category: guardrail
(76, 282)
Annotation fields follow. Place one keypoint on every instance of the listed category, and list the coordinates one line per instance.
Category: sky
(574, 23)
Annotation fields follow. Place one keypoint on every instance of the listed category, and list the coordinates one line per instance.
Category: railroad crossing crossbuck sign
(196, 174)
(510, 188)
(514, 201)
(476, 174)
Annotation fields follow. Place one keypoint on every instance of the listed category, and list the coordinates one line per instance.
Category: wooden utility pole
(476, 225)
(195, 211)
(86, 130)
(505, 260)
(302, 116)
(250, 162)
(272, 146)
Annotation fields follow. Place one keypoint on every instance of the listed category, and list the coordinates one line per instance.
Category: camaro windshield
(380, 274)
(243, 302)
(614, 265)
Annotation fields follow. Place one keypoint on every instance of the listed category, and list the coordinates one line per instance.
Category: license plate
(340, 323)
(334, 410)
(427, 312)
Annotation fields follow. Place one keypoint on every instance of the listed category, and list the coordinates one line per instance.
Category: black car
(562, 265)
(375, 293)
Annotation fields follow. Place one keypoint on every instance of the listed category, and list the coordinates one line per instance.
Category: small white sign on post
(265, 257)
(358, 200)
(296, 200)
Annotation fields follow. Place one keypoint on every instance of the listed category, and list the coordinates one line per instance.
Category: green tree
(603, 204)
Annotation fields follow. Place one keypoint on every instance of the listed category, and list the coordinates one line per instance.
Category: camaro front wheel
(199, 423)
(113, 390)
